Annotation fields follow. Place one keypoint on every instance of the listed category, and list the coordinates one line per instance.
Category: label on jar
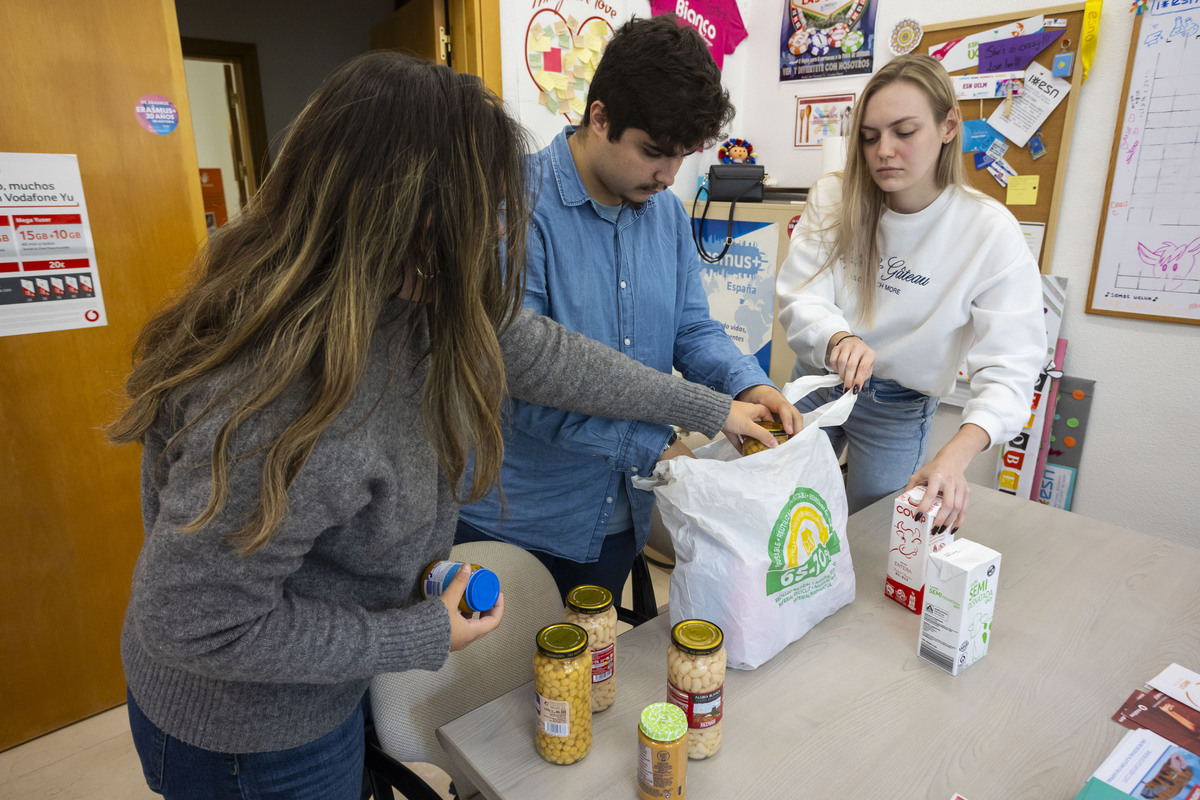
(660, 768)
(604, 661)
(553, 716)
(703, 710)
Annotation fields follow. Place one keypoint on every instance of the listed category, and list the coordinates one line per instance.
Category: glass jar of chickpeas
(562, 680)
(696, 682)
(591, 608)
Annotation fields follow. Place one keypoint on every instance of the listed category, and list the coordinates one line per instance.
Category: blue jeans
(887, 433)
(328, 768)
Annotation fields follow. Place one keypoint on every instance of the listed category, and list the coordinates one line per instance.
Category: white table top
(1086, 612)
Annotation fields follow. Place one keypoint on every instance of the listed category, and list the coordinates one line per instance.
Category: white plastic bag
(760, 541)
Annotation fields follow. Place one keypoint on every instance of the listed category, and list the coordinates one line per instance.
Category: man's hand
(740, 422)
(786, 413)
(465, 628)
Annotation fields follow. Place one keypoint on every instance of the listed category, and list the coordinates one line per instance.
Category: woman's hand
(785, 413)
(851, 359)
(944, 475)
(741, 422)
(465, 628)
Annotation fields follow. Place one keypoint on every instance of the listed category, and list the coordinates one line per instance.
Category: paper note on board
(988, 87)
(964, 53)
(1015, 53)
(1043, 93)
(1022, 190)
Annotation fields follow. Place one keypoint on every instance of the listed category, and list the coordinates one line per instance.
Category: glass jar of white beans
(591, 608)
(562, 680)
(696, 682)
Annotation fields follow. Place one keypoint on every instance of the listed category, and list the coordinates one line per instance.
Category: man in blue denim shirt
(610, 255)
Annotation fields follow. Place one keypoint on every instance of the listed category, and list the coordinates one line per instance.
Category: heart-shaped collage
(561, 56)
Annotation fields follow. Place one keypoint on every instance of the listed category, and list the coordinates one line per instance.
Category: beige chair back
(410, 706)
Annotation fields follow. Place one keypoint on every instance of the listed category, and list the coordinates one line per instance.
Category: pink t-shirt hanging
(718, 21)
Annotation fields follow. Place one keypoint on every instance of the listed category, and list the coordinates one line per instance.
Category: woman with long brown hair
(306, 411)
(896, 268)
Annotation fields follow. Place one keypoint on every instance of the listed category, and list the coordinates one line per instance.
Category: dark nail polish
(920, 517)
(855, 390)
(954, 530)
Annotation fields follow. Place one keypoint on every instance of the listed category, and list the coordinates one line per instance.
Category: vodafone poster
(48, 275)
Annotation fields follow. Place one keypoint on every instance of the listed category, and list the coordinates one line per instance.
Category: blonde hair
(853, 234)
(393, 179)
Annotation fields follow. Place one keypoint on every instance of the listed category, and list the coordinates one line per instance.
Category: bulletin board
(1147, 262)
(1055, 131)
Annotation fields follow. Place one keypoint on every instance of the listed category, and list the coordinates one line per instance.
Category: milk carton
(911, 544)
(960, 594)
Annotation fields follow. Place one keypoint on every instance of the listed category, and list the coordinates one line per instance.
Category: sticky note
(573, 23)
(577, 106)
(560, 27)
(535, 61)
(1022, 190)
(552, 61)
(543, 98)
(540, 45)
(591, 41)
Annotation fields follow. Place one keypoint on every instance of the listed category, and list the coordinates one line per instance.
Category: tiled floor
(94, 759)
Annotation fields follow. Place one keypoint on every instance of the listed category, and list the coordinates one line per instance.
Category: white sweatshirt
(955, 272)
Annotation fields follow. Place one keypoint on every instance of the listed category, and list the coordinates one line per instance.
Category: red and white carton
(912, 542)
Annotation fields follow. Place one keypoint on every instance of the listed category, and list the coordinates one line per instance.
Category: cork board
(1055, 131)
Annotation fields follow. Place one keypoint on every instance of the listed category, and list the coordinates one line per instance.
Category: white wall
(210, 121)
(1142, 451)
(299, 42)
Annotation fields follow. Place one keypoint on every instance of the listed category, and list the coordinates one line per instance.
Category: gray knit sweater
(275, 649)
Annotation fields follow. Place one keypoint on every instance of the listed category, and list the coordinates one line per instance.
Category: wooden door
(418, 28)
(71, 527)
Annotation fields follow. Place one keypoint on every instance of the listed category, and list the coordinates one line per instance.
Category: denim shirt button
(622, 284)
(608, 499)
(627, 340)
(633, 469)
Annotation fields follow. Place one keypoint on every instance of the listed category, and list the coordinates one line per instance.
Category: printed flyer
(826, 39)
(48, 275)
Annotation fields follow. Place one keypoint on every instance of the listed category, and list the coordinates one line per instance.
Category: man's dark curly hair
(658, 76)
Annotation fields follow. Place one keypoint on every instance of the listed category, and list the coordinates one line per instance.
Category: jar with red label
(591, 608)
(696, 682)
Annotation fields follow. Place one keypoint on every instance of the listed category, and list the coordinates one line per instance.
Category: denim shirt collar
(571, 190)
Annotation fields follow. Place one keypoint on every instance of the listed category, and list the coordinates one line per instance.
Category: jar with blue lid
(483, 586)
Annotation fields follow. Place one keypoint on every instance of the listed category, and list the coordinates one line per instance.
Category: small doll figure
(737, 151)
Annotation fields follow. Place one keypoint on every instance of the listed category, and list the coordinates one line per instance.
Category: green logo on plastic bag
(803, 541)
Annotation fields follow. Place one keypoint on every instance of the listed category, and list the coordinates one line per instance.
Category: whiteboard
(1147, 261)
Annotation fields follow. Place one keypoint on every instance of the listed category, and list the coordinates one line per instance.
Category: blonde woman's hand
(466, 628)
(741, 422)
(851, 358)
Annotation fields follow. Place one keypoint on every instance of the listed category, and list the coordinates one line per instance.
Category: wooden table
(1086, 612)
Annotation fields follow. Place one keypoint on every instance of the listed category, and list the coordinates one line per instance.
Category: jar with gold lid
(591, 608)
(751, 446)
(562, 680)
(696, 682)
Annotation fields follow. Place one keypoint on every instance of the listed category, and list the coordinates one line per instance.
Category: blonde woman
(896, 268)
(306, 410)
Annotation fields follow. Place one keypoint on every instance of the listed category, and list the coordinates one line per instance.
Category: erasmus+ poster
(826, 39)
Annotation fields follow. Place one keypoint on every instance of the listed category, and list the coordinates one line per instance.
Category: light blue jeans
(887, 434)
